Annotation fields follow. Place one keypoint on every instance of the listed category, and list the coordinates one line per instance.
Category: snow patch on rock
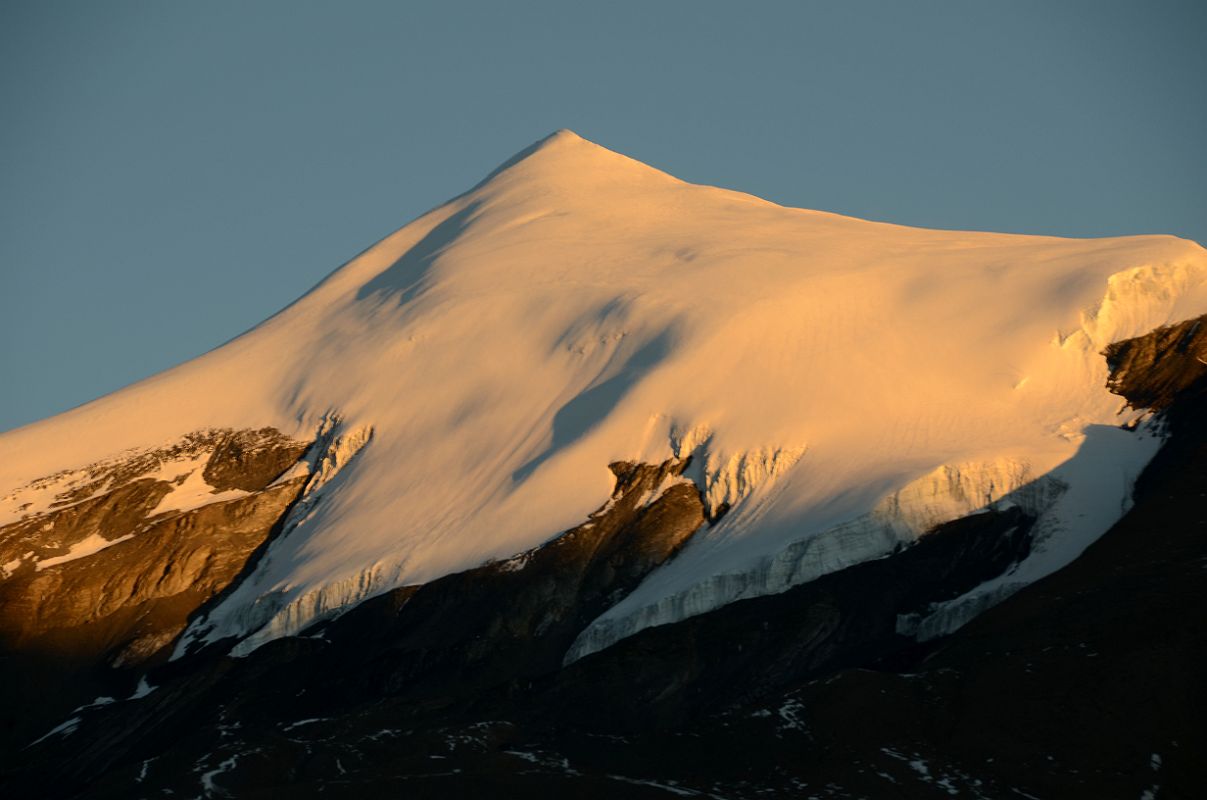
(193, 492)
(81, 549)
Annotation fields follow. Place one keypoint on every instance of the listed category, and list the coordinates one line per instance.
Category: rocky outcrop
(107, 576)
(90, 524)
(195, 553)
(1152, 371)
(250, 460)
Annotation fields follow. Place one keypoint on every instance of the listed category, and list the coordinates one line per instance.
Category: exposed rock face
(109, 574)
(32, 543)
(107, 499)
(250, 460)
(196, 552)
(1153, 370)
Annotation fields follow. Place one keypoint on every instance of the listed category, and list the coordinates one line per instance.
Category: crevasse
(726, 479)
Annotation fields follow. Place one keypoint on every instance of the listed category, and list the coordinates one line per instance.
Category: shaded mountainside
(439, 646)
(1087, 683)
(103, 581)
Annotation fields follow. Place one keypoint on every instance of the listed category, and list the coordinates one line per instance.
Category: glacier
(841, 384)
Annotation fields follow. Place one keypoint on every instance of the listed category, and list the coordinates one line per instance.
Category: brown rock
(64, 627)
(250, 460)
(1152, 370)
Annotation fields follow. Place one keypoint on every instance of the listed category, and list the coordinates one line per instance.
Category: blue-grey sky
(172, 173)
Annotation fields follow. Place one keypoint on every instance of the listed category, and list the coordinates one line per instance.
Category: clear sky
(171, 173)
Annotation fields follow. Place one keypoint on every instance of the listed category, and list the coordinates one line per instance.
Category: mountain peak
(561, 136)
(565, 157)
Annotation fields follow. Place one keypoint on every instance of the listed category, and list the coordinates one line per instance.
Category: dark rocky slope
(466, 668)
(434, 651)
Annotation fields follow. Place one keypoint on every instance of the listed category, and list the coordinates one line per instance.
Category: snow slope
(843, 383)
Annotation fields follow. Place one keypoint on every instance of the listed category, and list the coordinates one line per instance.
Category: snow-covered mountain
(470, 518)
(842, 386)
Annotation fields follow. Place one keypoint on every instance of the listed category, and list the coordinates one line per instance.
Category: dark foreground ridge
(1085, 684)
